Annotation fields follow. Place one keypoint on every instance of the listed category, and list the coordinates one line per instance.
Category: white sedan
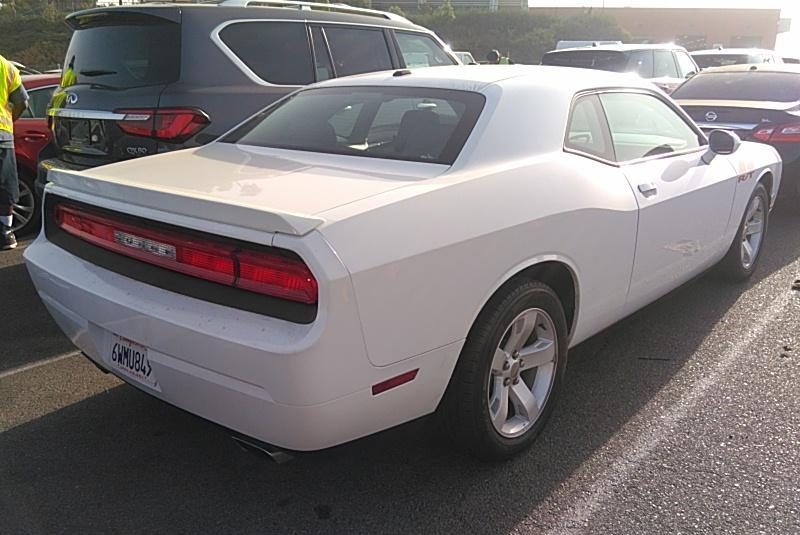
(374, 249)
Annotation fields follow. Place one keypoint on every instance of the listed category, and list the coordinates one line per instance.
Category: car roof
(755, 67)
(35, 80)
(462, 78)
(723, 51)
(338, 13)
(626, 47)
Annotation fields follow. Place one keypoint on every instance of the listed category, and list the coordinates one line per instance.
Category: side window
(685, 64)
(664, 64)
(322, 61)
(277, 52)
(420, 50)
(37, 105)
(358, 50)
(586, 128)
(642, 126)
(641, 62)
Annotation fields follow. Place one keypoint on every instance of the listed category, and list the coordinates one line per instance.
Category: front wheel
(509, 372)
(745, 251)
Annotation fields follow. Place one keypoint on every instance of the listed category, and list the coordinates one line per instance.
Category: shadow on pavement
(28, 333)
(121, 461)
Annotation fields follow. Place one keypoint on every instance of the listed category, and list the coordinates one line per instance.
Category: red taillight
(256, 271)
(166, 124)
(785, 133)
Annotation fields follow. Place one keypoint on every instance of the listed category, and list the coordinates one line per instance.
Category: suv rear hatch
(118, 63)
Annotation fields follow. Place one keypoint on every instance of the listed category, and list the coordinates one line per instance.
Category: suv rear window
(767, 86)
(604, 60)
(415, 124)
(125, 55)
(720, 60)
(277, 52)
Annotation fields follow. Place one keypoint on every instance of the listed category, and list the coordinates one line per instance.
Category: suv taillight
(274, 274)
(783, 133)
(166, 124)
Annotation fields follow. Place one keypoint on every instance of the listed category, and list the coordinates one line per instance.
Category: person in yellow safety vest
(13, 101)
(494, 57)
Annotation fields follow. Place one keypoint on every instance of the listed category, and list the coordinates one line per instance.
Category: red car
(31, 135)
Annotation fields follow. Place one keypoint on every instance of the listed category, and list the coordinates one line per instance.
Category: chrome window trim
(231, 55)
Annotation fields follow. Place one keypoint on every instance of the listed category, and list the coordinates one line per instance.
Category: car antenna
(401, 72)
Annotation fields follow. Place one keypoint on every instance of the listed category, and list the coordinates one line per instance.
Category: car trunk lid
(272, 190)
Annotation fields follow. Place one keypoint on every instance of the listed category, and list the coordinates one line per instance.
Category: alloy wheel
(24, 209)
(752, 232)
(522, 372)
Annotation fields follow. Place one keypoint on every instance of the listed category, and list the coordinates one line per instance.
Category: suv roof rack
(319, 6)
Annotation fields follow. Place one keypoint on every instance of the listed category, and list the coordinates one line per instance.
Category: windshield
(124, 56)
(605, 60)
(720, 60)
(766, 86)
(416, 124)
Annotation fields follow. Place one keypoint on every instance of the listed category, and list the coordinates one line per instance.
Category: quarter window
(358, 50)
(277, 52)
(664, 64)
(586, 131)
(643, 126)
(420, 50)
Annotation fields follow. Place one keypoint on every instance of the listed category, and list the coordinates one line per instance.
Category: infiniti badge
(72, 98)
(711, 116)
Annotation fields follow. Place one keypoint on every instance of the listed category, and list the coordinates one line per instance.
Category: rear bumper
(299, 387)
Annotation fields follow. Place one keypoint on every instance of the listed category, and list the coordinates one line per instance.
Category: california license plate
(130, 359)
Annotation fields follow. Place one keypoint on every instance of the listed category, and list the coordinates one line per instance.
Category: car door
(684, 203)
(30, 130)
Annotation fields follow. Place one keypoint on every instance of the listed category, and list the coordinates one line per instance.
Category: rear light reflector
(266, 273)
(785, 133)
(166, 124)
(396, 381)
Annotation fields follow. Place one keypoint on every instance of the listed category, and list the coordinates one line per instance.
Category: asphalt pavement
(683, 418)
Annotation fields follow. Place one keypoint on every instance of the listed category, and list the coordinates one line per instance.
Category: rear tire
(742, 258)
(509, 373)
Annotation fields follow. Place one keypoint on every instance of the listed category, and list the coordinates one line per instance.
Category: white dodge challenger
(373, 249)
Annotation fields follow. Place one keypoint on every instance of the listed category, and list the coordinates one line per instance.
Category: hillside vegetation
(33, 31)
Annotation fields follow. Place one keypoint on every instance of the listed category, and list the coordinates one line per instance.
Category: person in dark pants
(13, 101)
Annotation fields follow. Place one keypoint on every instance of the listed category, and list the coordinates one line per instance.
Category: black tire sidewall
(478, 351)
(732, 264)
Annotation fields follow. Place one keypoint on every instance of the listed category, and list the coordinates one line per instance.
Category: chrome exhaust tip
(273, 452)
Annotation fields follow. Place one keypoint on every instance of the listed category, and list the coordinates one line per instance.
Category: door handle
(34, 137)
(648, 189)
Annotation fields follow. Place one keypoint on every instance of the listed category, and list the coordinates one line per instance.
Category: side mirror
(690, 74)
(721, 142)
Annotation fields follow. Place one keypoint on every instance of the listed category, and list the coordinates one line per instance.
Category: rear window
(122, 56)
(415, 124)
(720, 60)
(767, 86)
(604, 60)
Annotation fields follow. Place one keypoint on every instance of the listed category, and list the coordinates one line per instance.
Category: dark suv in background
(151, 78)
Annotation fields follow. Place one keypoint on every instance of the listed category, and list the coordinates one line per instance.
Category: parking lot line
(578, 516)
(34, 365)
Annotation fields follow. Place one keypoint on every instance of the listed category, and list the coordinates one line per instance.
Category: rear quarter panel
(425, 259)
